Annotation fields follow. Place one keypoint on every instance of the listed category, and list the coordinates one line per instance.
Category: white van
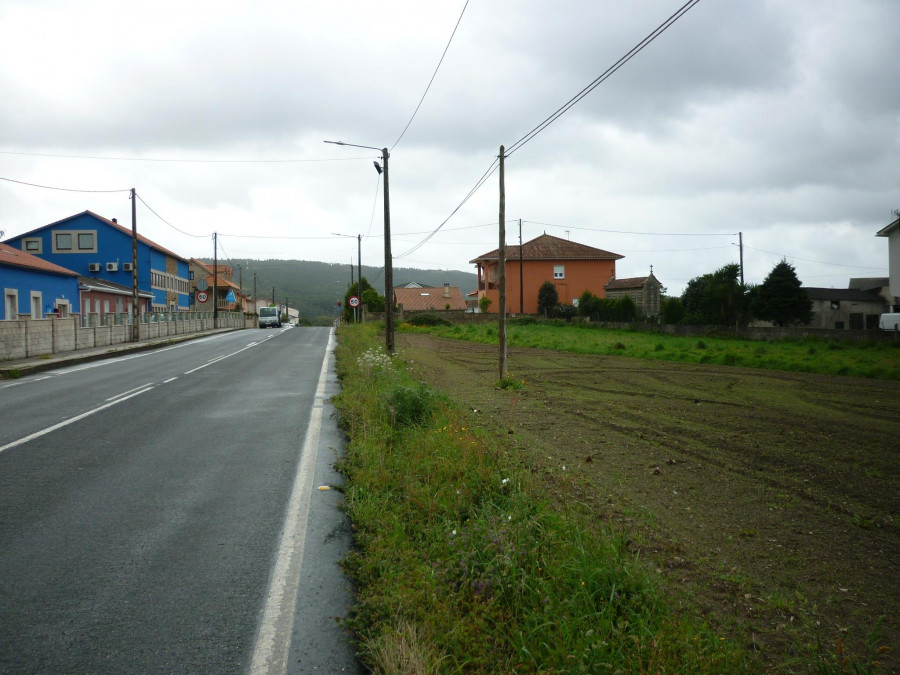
(889, 321)
(269, 317)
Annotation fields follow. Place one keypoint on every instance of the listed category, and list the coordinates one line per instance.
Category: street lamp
(388, 263)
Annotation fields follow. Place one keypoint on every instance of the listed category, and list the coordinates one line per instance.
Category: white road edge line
(273, 640)
(72, 420)
(171, 379)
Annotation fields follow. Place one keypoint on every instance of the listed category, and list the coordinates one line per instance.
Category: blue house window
(72, 241)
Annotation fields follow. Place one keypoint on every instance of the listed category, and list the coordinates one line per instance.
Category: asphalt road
(160, 512)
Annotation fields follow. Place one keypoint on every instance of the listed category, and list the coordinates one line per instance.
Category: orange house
(572, 267)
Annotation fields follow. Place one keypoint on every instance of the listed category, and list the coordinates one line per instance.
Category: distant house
(572, 267)
(99, 248)
(417, 298)
(230, 295)
(845, 308)
(35, 288)
(892, 232)
(644, 291)
(105, 298)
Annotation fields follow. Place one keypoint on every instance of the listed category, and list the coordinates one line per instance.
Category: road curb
(12, 370)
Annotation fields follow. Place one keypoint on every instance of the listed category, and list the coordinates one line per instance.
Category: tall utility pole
(388, 261)
(521, 273)
(273, 296)
(351, 286)
(359, 260)
(255, 303)
(241, 284)
(502, 267)
(741, 245)
(135, 299)
(215, 280)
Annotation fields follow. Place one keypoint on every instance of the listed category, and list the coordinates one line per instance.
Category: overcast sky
(779, 120)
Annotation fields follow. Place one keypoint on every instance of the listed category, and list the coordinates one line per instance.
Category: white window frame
(11, 301)
(37, 250)
(559, 271)
(75, 235)
(37, 307)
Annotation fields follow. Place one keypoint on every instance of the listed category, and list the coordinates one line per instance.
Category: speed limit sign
(354, 301)
(202, 297)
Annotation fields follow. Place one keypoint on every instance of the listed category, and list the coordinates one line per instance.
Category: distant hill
(315, 287)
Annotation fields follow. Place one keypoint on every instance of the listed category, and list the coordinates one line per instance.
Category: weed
(510, 382)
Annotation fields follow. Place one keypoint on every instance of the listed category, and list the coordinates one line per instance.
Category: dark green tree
(672, 310)
(781, 298)
(359, 289)
(373, 300)
(718, 298)
(548, 298)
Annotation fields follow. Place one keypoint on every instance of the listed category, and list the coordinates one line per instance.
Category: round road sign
(203, 285)
(202, 297)
(354, 301)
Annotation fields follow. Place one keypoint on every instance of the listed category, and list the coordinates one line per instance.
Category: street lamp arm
(351, 145)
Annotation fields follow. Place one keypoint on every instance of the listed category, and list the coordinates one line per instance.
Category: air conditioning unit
(112, 267)
(93, 267)
(127, 267)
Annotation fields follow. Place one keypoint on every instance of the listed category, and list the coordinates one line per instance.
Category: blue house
(35, 287)
(93, 246)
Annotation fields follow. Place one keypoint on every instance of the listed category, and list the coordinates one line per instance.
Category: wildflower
(504, 481)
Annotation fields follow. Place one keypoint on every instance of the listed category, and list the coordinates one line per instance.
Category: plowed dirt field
(766, 500)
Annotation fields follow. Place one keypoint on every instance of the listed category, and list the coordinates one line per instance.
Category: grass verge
(462, 566)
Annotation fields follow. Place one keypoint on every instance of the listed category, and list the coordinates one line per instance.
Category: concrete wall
(27, 338)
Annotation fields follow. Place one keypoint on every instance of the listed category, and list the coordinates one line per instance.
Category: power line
(198, 236)
(481, 181)
(184, 161)
(50, 187)
(820, 262)
(654, 234)
(431, 81)
(659, 30)
(374, 203)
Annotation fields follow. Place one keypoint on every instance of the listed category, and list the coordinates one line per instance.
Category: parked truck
(269, 317)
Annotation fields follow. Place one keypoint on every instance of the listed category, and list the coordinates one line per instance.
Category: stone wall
(27, 338)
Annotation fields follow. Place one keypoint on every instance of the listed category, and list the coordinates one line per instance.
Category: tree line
(717, 298)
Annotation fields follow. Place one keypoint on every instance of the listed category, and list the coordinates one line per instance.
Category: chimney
(116, 221)
(446, 290)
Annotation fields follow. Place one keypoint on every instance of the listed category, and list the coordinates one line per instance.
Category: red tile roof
(547, 247)
(429, 298)
(16, 258)
(633, 282)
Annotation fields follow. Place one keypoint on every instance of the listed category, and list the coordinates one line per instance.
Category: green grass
(879, 360)
(461, 566)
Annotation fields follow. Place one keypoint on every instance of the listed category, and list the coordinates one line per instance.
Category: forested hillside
(315, 287)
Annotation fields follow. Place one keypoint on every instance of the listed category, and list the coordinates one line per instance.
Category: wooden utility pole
(741, 245)
(501, 259)
(215, 280)
(135, 298)
(521, 273)
(255, 301)
(388, 262)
